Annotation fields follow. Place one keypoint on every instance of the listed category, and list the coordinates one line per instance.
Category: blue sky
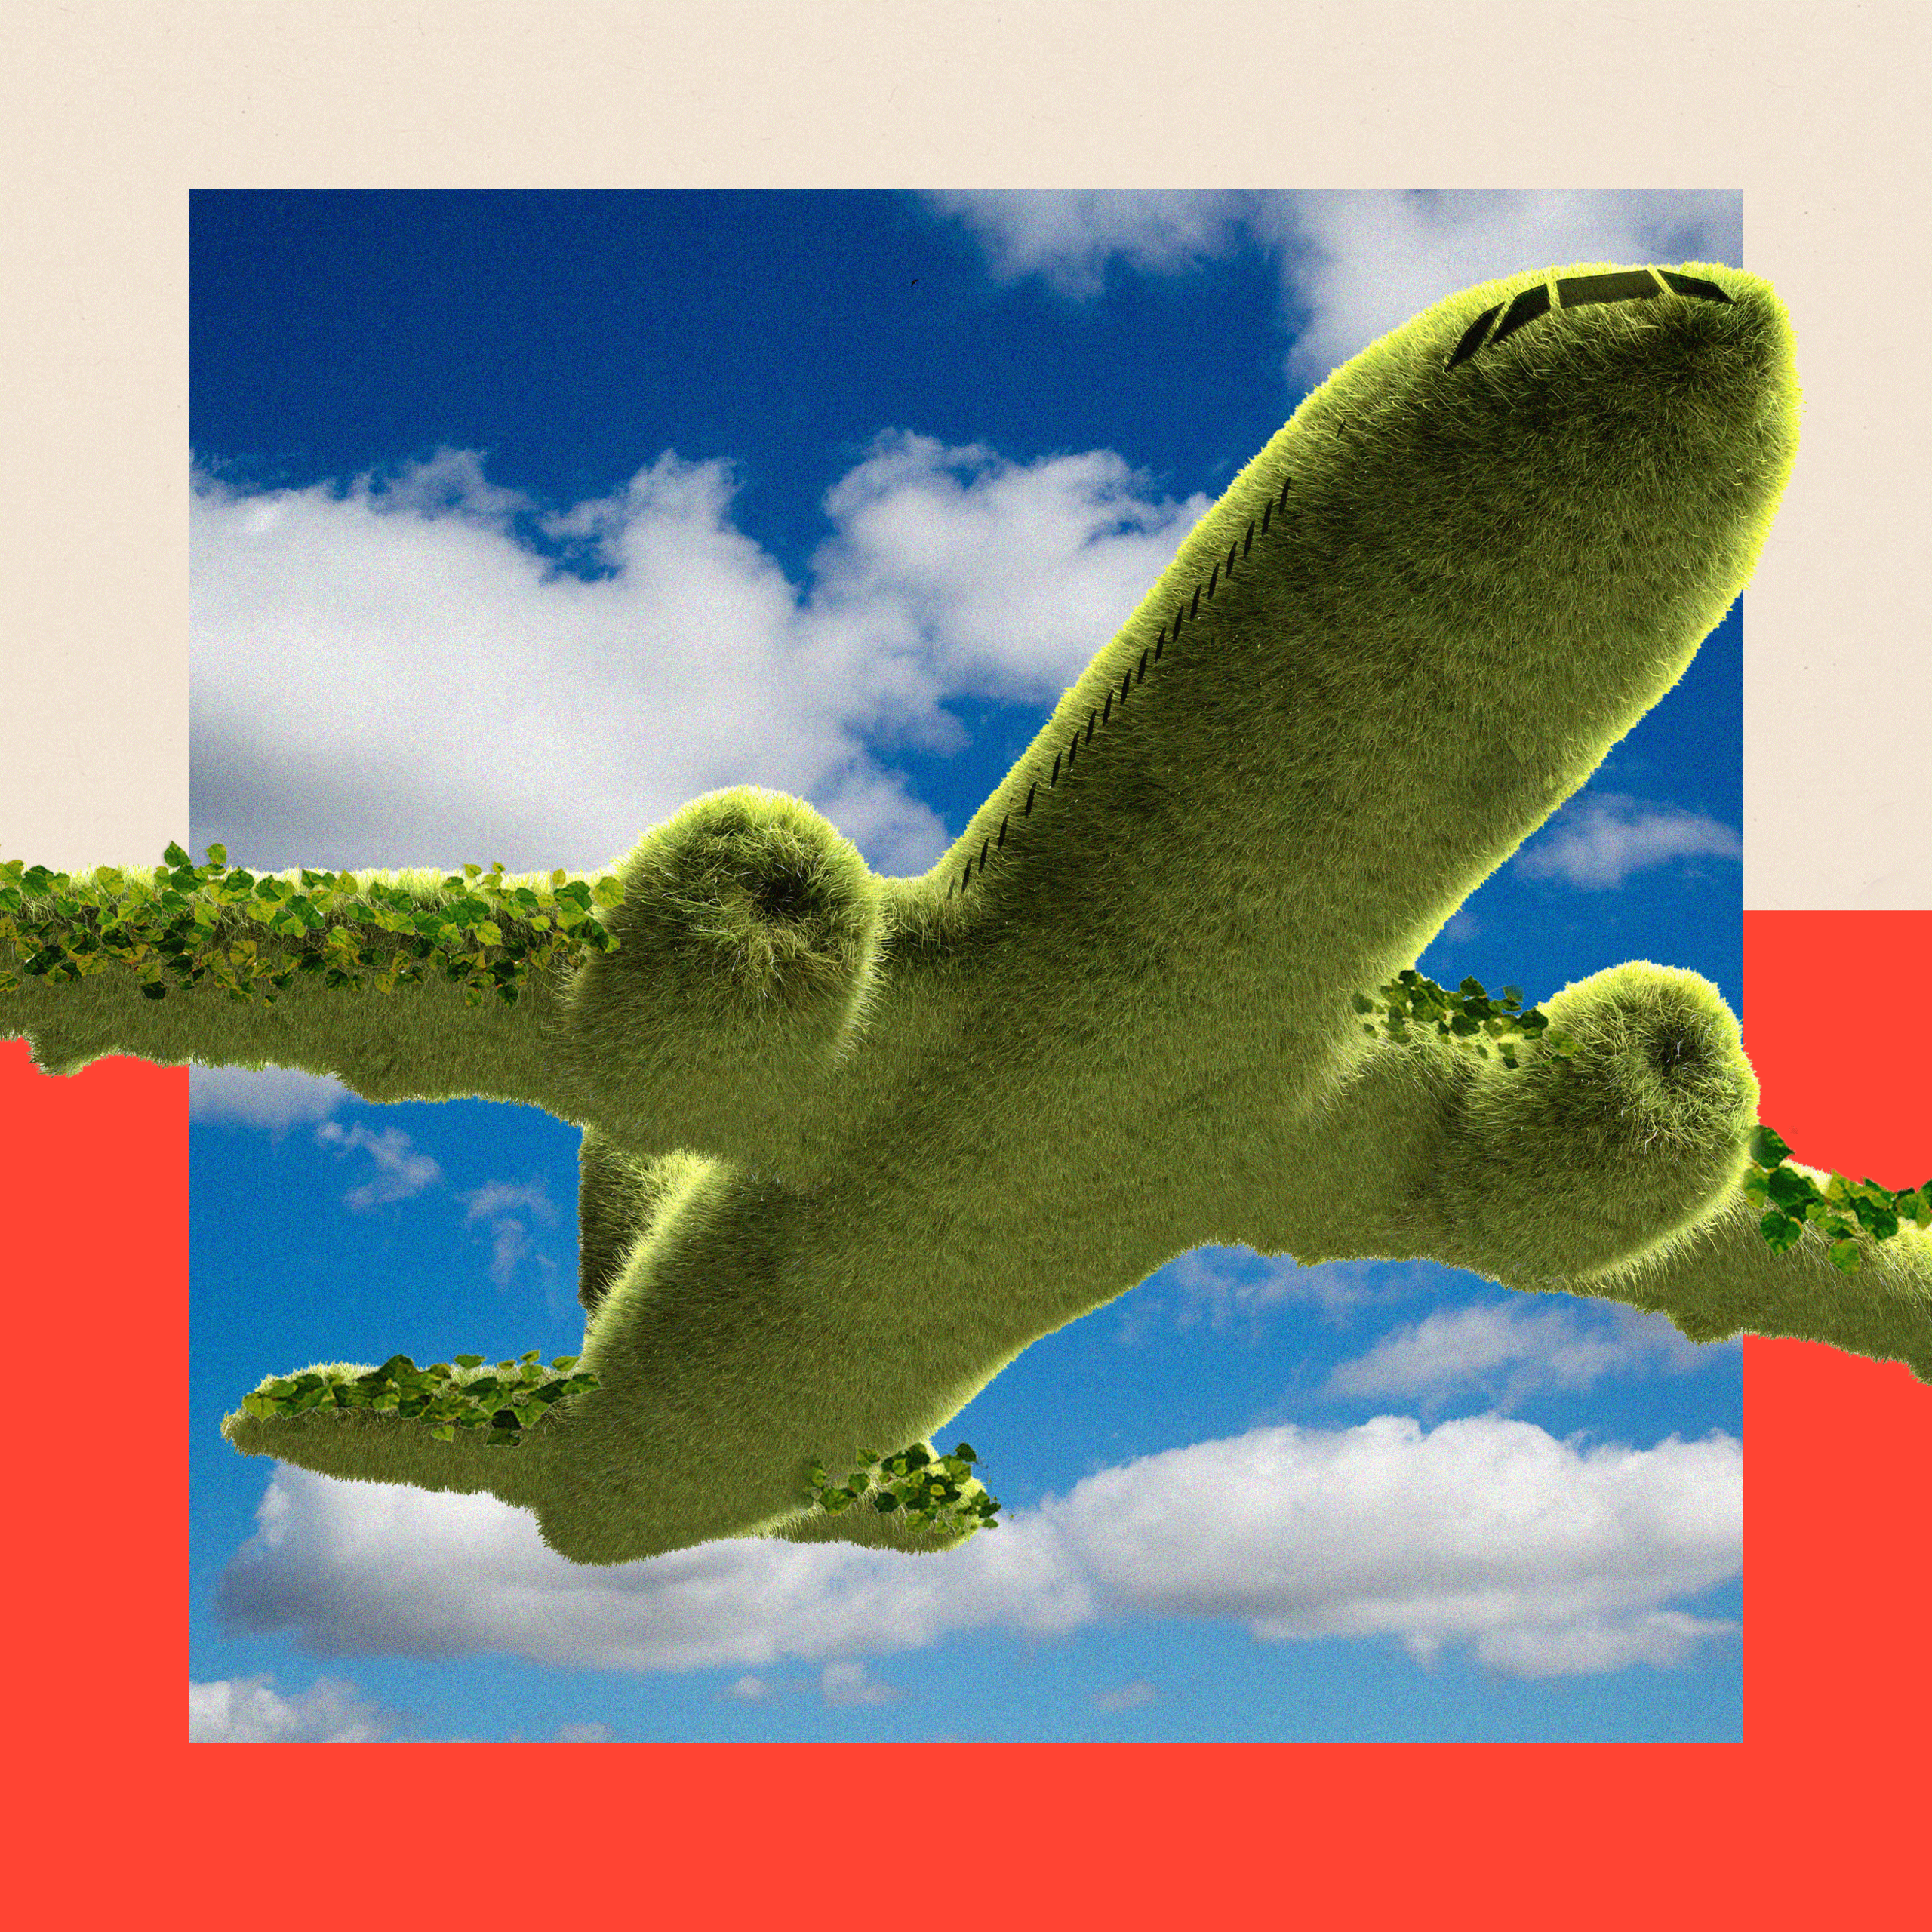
(520, 520)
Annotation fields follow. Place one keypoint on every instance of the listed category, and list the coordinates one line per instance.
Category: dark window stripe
(1471, 342)
(1692, 284)
(1574, 291)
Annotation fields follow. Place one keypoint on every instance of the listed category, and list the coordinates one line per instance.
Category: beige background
(111, 112)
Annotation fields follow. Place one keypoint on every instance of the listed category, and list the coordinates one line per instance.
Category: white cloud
(498, 1202)
(399, 1172)
(1590, 1646)
(425, 676)
(1128, 1697)
(1514, 1350)
(509, 1244)
(274, 1096)
(841, 1684)
(1544, 1557)
(1216, 1285)
(250, 1710)
(1067, 237)
(1598, 840)
(952, 570)
(495, 1198)
(750, 1689)
(1230, 1288)
(1353, 263)
(583, 1733)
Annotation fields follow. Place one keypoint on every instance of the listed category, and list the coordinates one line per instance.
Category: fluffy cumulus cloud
(1513, 1350)
(1354, 263)
(1597, 841)
(404, 670)
(250, 1710)
(1543, 1558)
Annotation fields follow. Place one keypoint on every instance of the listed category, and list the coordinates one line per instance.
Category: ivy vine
(1468, 1016)
(929, 1490)
(1470, 1019)
(196, 922)
(1838, 1209)
(448, 1395)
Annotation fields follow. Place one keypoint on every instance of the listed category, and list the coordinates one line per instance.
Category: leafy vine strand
(929, 1490)
(195, 922)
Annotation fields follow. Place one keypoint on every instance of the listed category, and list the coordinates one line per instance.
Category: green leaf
(1767, 1148)
(1881, 1224)
(1782, 1232)
(1845, 1256)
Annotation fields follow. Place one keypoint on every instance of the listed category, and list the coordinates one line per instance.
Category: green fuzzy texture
(852, 1143)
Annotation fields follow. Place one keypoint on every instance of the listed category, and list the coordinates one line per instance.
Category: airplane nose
(1597, 433)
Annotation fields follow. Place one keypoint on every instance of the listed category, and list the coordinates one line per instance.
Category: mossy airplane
(850, 1143)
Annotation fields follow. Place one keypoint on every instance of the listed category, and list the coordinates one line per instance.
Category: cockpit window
(1624, 285)
(1473, 335)
(1691, 285)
